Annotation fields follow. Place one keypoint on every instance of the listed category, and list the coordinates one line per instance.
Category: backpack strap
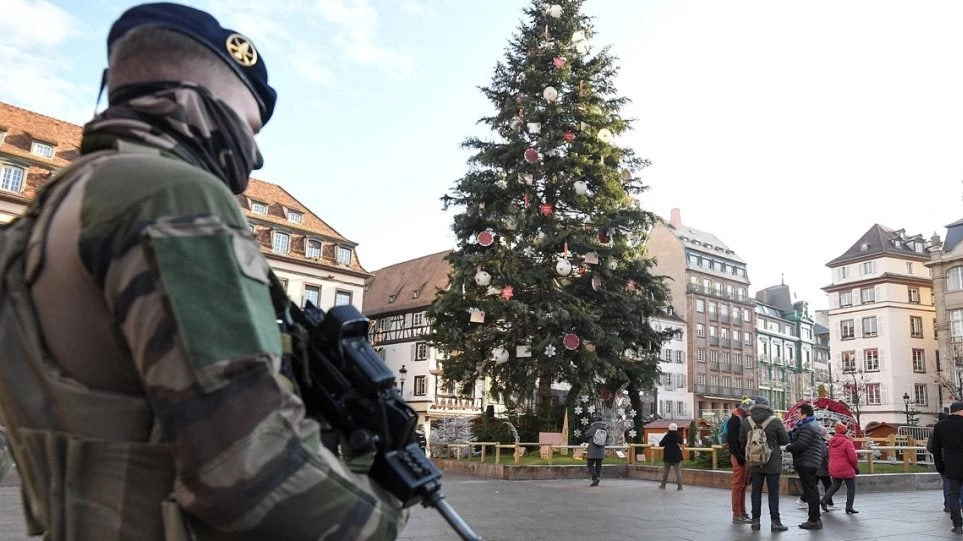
(767, 421)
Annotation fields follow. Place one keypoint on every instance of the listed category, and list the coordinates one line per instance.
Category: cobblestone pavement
(627, 509)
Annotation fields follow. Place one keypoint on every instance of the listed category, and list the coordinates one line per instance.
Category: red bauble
(606, 394)
(486, 238)
(570, 341)
(559, 62)
(545, 209)
(531, 155)
(568, 137)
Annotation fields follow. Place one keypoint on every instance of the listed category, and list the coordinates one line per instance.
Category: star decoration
(508, 292)
(591, 409)
(578, 410)
(632, 433)
(584, 421)
(550, 350)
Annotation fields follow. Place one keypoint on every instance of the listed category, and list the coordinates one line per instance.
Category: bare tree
(853, 383)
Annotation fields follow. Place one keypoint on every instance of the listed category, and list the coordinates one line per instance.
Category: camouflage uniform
(160, 403)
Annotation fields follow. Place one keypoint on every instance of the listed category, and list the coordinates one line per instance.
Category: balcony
(737, 368)
(714, 365)
(737, 344)
(735, 391)
(737, 322)
(724, 318)
(764, 359)
(727, 367)
(713, 340)
(713, 389)
(700, 388)
(713, 316)
(726, 342)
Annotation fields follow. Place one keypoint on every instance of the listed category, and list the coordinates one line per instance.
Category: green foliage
(607, 303)
(693, 433)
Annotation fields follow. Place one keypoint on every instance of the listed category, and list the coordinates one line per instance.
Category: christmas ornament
(577, 410)
(515, 124)
(578, 35)
(476, 315)
(523, 350)
(633, 433)
(508, 292)
(630, 285)
(596, 282)
(558, 62)
(583, 126)
(563, 267)
(534, 128)
(545, 209)
(604, 236)
(581, 47)
(526, 178)
(581, 271)
(555, 11)
(613, 264)
(482, 278)
(568, 137)
(486, 238)
(570, 341)
(501, 183)
(500, 355)
(591, 258)
(550, 94)
(605, 135)
(550, 350)
(540, 236)
(626, 175)
(531, 155)
(581, 187)
(589, 346)
(492, 291)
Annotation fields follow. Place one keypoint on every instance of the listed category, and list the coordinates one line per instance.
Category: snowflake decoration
(578, 410)
(591, 408)
(584, 420)
(576, 432)
(632, 414)
(621, 412)
(632, 433)
(583, 398)
(550, 350)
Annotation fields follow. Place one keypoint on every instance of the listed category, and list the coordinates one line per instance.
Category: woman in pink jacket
(842, 467)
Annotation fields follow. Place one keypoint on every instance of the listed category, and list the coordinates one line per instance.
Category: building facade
(672, 397)
(823, 365)
(882, 322)
(709, 284)
(946, 267)
(785, 348)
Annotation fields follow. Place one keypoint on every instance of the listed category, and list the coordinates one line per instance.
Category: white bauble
(501, 183)
(482, 278)
(550, 94)
(581, 187)
(605, 135)
(581, 47)
(555, 11)
(515, 124)
(563, 267)
(613, 264)
(500, 355)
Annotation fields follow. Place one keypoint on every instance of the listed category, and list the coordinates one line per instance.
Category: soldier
(142, 395)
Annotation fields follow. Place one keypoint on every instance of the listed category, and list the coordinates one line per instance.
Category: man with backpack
(737, 457)
(761, 436)
(597, 437)
(808, 450)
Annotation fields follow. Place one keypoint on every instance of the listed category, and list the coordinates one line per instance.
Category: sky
(786, 129)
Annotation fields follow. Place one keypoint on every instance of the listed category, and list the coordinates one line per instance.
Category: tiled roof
(406, 286)
(705, 242)
(23, 127)
(776, 296)
(878, 241)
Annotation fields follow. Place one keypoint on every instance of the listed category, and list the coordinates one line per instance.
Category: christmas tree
(549, 282)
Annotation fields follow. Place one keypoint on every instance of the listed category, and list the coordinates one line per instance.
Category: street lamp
(906, 401)
(402, 371)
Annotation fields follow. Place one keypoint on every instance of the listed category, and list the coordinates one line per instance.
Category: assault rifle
(347, 384)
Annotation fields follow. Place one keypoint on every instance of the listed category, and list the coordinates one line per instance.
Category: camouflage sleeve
(188, 287)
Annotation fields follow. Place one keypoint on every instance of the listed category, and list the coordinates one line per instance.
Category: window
(11, 179)
(725, 358)
(909, 267)
(747, 337)
(873, 395)
(845, 299)
(678, 357)
(750, 383)
(343, 255)
(956, 325)
(294, 217)
(680, 408)
(280, 242)
(313, 249)
(867, 295)
(700, 379)
(747, 361)
(311, 293)
(724, 334)
(42, 149)
(700, 305)
(847, 329)
(693, 260)
(916, 327)
(871, 360)
(919, 391)
(713, 331)
(421, 351)
(342, 298)
(421, 386)
(868, 267)
(713, 356)
(701, 355)
(843, 273)
(919, 361)
(713, 380)
(712, 309)
(667, 354)
(849, 361)
(736, 315)
(746, 315)
(259, 208)
(954, 279)
(418, 319)
(724, 310)
(726, 382)
(700, 330)
(914, 295)
(869, 326)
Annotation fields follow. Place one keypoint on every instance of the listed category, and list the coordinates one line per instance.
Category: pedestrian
(737, 457)
(843, 467)
(946, 484)
(420, 435)
(142, 394)
(948, 456)
(671, 445)
(767, 467)
(823, 473)
(597, 437)
(808, 448)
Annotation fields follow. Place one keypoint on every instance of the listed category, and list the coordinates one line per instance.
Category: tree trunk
(636, 401)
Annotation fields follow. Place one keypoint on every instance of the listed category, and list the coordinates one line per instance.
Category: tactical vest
(81, 476)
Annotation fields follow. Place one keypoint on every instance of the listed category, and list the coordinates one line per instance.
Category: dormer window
(294, 217)
(280, 242)
(313, 249)
(259, 208)
(863, 247)
(3, 135)
(42, 149)
(343, 255)
(11, 179)
(918, 247)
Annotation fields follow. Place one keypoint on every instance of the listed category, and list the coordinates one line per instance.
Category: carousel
(827, 412)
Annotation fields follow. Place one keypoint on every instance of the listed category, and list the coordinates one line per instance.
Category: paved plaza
(627, 509)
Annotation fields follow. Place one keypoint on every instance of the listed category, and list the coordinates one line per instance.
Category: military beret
(235, 49)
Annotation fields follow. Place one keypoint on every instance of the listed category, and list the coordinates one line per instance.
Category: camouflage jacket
(153, 296)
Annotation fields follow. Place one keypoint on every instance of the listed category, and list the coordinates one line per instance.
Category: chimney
(675, 218)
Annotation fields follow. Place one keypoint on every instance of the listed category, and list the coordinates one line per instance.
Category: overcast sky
(786, 129)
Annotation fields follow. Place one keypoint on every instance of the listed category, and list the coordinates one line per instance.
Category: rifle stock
(347, 384)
